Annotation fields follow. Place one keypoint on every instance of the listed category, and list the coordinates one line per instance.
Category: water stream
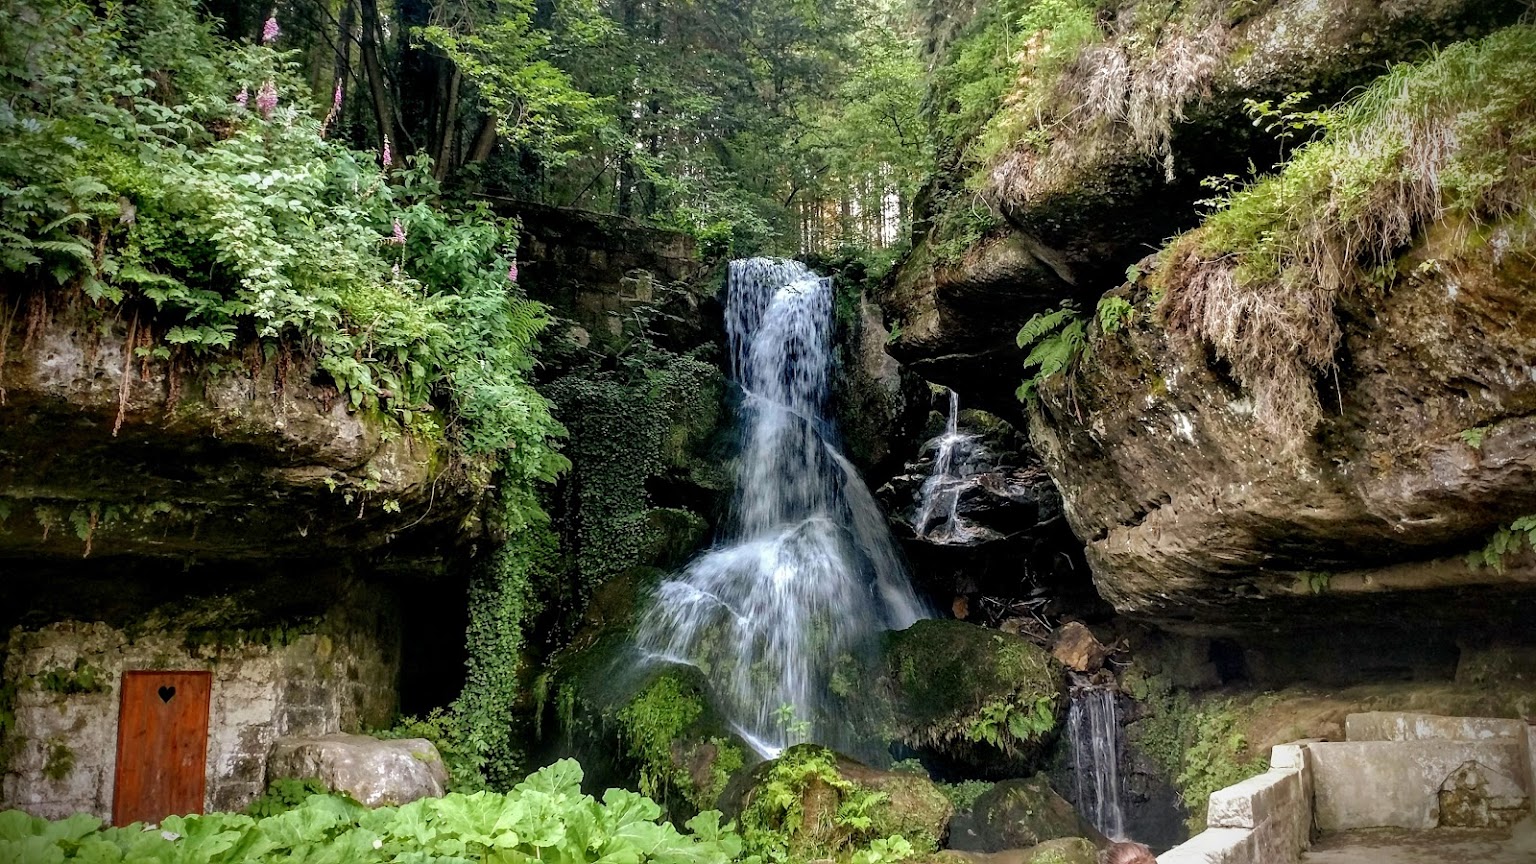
(1093, 729)
(805, 571)
(938, 520)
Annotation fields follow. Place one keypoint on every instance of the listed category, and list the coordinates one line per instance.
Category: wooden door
(162, 746)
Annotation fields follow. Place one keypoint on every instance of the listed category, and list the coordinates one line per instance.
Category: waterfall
(937, 519)
(1093, 728)
(805, 571)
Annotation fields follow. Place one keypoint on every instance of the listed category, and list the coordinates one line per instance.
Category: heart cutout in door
(167, 693)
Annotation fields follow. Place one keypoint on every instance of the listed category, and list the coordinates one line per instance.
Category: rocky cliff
(1309, 449)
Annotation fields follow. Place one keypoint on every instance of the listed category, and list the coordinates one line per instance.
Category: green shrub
(284, 794)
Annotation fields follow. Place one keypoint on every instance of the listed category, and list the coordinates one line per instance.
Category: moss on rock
(1016, 814)
(966, 691)
(813, 803)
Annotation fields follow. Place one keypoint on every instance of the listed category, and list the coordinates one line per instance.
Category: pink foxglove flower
(398, 238)
(243, 96)
(386, 157)
(512, 272)
(266, 98)
(336, 100)
(270, 31)
(334, 112)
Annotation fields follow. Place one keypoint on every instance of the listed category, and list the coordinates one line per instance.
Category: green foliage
(964, 793)
(1474, 436)
(1055, 341)
(656, 718)
(1201, 745)
(483, 735)
(69, 680)
(128, 171)
(509, 61)
(774, 823)
(1451, 141)
(544, 818)
(629, 424)
(1506, 541)
(884, 850)
(1115, 313)
(1317, 580)
(284, 794)
(1004, 721)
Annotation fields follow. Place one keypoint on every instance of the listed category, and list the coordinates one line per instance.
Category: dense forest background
(757, 126)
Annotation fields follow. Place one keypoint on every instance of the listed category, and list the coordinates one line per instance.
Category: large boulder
(375, 772)
(811, 802)
(979, 697)
(1016, 814)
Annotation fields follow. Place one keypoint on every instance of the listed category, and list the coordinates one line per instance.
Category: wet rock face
(107, 454)
(1191, 512)
(1079, 215)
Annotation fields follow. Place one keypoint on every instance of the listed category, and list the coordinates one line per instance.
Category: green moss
(1199, 743)
(58, 760)
(959, 684)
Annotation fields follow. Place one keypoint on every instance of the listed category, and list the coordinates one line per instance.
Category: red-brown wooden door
(162, 746)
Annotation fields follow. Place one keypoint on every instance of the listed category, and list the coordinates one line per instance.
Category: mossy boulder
(812, 802)
(1067, 850)
(973, 695)
(653, 729)
(1016, 814)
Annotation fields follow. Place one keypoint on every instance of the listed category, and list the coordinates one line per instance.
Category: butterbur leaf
(561, 778)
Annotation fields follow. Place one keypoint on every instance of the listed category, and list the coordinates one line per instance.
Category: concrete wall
(1398, 784)
(1263, 820)
(60, 757)
(1400, 726)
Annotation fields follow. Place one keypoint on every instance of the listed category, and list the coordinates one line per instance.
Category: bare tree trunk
(446, 151)
(377, 85)
(485, 142)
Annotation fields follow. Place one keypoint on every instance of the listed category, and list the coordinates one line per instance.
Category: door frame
(117, 765)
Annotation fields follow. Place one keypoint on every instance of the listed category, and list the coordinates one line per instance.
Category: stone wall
(60, 756)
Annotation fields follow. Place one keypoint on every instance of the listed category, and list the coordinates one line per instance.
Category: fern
(1506, 541)
(1056, 340)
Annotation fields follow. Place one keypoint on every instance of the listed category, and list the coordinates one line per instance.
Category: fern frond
(1045, 323)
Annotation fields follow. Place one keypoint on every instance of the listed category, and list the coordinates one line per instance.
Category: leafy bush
(187, 181)
(544, 818)
(284, 794)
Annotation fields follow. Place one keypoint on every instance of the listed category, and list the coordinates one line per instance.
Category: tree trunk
(446, 151)
(378, 87)
(485, 142)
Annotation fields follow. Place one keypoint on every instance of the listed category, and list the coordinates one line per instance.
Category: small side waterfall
(805, 571)
(938, 520)
(1093, 728)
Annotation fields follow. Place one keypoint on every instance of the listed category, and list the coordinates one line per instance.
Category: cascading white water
(1093, 728)
(938, 520)
(806, 571)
